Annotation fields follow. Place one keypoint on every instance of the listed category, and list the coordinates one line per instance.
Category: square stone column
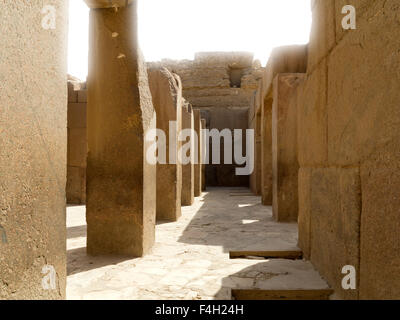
(188, 169)
(266, 152)
(121, 190)
(197, 166)
(285, 166)
(203, 166)
(166, 90)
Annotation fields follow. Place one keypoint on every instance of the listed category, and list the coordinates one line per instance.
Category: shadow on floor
(230, 218)
(87, 263)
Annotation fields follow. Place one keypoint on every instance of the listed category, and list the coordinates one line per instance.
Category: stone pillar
(203, 166)
(188, 169)
(33, 152)
(197, 166)
(257, 166)
(77, 143)
(121, 190)
(167, 100)
(266, 154)
(285, 166)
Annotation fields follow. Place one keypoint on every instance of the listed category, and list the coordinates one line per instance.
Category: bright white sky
(177, 29)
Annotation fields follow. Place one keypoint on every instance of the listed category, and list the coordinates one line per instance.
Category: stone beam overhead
(101, 4)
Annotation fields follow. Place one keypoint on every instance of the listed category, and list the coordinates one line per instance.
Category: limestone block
(363, 95)
(285, 59)
(77, 115)
(121, 184)
(304, 216)
(380, 225)
(76, 185)
(335, 224)
(364, 9)
(188, 169)
(238, 98)
(77, 147)
(82, 96)
(203, 150)
(312, 119)
(72, 93)
(266, 152)
(197, 166)
(167, 101)
(284, 147)
(322, 38)
(257, 159)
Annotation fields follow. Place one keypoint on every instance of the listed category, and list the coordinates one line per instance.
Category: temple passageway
(190, 259)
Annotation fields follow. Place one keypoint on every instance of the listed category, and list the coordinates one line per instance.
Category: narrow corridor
(190, 259)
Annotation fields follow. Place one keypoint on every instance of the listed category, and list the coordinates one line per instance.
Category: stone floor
(190, 259)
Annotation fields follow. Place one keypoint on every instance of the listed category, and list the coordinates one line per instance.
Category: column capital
(98, 4)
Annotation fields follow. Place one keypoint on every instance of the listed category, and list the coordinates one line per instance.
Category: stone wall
(77, 143)
(221, 85)
(33, 152)
(349, 151)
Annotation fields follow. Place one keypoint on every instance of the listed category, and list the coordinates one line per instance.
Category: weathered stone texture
(380, 225)
(304, 213)
(284, 147)
(188, 169)
(202, 154)
(167, 100)
(33, 151)
(255, 124)
(121, 190)
(77, 143)
(197, 165)
(312, 120)
(266, 152)
(335, 209)
(323, 36)
(348, 142)
(285, 59)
